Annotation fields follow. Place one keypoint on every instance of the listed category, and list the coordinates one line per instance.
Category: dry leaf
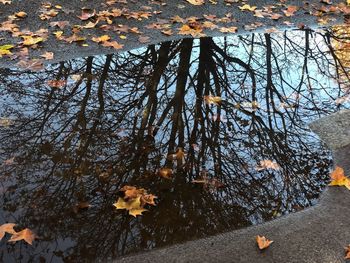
(263, 242)
(339, 179)
(267, 164)
(196, 2)
(26, 235)
(347, 251)
(47, 55)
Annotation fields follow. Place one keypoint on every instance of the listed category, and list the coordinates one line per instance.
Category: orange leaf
(339, 179)
(347, 251)
(6, 228)
(263, 242)
(26, 235)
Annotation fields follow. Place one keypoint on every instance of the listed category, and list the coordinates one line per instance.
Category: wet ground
(231, 112)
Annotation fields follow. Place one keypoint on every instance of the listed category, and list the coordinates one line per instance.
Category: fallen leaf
(30, 40)
(47, 55)
(21, 14)
(263, 242)
(26, 235)
(5, 50)
(339, 179)
(87, 13)
(6, 228)
(196, 2)
(247, 7)
(347, 251)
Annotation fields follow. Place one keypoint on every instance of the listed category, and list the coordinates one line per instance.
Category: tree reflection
(118, 117)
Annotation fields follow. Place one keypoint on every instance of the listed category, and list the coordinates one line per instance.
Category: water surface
(78, 131)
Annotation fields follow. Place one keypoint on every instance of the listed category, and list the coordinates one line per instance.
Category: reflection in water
(113, 120)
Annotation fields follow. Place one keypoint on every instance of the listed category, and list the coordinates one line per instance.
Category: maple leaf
(5, 50)
(195, 2)
(26, 235)
(347, 251)
(133, 206)
(263, 242)
(47, 55)
(339, 179)
(6, 228)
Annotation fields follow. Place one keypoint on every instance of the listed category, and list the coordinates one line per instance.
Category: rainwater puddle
(230, 113)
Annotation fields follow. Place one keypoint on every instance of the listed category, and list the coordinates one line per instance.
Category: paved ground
(318, 234)
(160, 14)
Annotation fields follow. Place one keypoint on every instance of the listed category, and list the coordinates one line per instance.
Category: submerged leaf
(6, 228)
(26, 235)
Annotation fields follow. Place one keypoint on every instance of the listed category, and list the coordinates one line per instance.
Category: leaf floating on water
(263, 242)
(26, 235)
(6, 228)
(267, 164)
(339, 179)
(209, 99)
(134, 200)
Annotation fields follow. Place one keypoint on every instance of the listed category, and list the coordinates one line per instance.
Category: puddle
(230, 112)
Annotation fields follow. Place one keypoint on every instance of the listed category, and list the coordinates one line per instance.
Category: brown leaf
(347, 251)
(56, 83)
(47, 55)
(165, 173)
(263, 242)
(87, 13)
(26, 235)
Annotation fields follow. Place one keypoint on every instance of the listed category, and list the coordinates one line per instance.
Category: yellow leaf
(137, 212)
(128, 205)
(263, 242)
(5, 50)
(26, 235)
(339, 179)
(247, 8)
(100, 39)
(29, 40)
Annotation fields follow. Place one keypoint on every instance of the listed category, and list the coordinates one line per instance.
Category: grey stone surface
(334, 130)
(315, 235)
(64, 51)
